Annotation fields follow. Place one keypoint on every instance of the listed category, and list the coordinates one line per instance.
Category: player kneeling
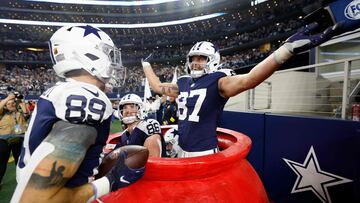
(139, 131)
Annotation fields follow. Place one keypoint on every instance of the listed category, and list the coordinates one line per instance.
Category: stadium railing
(328, 89)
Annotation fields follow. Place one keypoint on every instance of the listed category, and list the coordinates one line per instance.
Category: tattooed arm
(53, 163)
(169, 89)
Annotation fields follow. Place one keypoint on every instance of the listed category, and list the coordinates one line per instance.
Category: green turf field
(9, 182)
(115, 127)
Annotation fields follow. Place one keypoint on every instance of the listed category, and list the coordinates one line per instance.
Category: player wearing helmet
(70, 124)
(202, 94)
(139, 131)
(171, 139)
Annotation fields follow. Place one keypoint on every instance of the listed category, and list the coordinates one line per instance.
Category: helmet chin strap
(129, 119)
(197, 73)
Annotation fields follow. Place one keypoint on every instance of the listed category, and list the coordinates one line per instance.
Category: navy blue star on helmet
(90, 30)
(216, 48)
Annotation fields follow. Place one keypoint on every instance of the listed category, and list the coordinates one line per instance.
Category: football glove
(304, 40)
(121, 175)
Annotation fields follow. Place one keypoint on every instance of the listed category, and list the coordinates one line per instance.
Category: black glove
(121, 175)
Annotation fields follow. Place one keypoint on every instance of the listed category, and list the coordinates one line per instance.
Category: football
(136, 158)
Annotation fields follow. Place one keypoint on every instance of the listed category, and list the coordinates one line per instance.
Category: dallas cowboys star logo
(90, 30)
(175, 132)
(311, 177)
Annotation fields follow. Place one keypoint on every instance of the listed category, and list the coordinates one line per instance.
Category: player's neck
(132, 126)
(91, 80)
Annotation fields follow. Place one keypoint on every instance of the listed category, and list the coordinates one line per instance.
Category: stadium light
(256, 2)
(109, 3)
(99, 25)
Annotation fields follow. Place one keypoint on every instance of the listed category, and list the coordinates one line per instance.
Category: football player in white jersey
(202, 94)
(70, 124)
(171, 139)
(139, 130)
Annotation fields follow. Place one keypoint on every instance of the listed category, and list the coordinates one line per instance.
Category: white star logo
(311, 177)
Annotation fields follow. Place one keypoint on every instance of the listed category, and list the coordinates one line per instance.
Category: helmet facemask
(129, 119)
(114, 55)
(197, 72)
(136, 101)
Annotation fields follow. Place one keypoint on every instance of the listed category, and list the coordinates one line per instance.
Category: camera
(18, 95)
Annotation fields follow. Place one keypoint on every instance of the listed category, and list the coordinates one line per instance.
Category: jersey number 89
(79, 110)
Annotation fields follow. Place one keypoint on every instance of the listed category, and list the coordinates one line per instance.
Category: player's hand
(304, 40)
(148, 58)
(121, 175)
(146, 62)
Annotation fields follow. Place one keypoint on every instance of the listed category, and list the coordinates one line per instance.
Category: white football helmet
(131, 99)
(208, 50)
(172, 137)
(84, 47)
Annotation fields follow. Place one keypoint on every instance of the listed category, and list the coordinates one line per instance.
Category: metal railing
(325, 89)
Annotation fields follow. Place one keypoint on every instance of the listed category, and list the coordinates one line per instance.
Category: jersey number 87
(183, 110)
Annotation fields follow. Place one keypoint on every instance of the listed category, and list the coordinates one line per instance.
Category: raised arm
(232, 85)
(169, 89)
(4, 101)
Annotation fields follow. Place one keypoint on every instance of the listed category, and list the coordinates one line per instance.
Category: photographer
(13, 117)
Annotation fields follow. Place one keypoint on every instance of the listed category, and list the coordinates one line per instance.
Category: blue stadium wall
(323, 156)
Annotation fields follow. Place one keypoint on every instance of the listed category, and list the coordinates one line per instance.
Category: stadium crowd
(244, 22)
(33, 81)
(170, 52)
(256, 25)
(25, 81)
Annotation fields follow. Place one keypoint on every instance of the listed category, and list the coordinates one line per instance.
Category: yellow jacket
(8, 120)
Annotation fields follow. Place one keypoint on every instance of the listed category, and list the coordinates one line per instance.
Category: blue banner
(348, 11)
(302, 159)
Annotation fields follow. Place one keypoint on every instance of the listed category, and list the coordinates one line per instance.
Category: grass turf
(9, 183)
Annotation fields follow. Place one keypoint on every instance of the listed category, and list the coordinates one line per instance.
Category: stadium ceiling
(150, 12)
(102, 25)
(108, 3)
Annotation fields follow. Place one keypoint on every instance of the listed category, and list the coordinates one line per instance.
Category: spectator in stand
(169, 112)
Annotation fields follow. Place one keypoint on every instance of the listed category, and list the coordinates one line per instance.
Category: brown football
(136, 158)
